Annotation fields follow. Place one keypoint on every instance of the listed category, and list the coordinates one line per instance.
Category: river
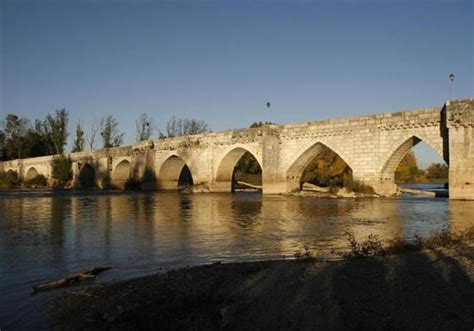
(45, 234)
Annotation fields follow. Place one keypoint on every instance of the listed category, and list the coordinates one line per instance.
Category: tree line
(21, 137)
(408, 171)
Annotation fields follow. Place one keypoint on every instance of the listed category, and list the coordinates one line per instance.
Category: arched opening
(31, 173)
(87, 177)
(121, 175)
(185, 180)
(319, 168)
(417, 165)
(174, 175)
(239, 170)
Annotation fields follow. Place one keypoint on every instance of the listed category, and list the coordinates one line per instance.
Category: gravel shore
(427, 290)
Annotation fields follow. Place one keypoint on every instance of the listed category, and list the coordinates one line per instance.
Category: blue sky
(221, 61)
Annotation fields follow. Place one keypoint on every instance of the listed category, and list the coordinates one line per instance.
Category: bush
(38, 181)
(348, 182)
(359, 187)
(304, 255)
(9, 179)
(61, 169)
(373, 246)
(132, 184)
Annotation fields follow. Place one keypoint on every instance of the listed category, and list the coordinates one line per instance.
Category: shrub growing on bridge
(9, 179)
(38, 181)
(61, 169)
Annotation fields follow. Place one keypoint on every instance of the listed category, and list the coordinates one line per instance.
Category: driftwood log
(315, 188)
(248, 185)
(417, 192)
(90, 273)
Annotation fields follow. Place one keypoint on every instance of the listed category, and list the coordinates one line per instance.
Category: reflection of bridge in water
(174, 228)
(252, 225)
(372, 146)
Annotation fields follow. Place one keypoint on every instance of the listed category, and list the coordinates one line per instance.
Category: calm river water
(45, 235)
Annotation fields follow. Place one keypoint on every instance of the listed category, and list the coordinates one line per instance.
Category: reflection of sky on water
(44, 235)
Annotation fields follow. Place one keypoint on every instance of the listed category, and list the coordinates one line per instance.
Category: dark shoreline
(430, 289)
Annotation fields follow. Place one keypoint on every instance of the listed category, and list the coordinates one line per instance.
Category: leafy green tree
(61, 167)
(57, 129)
(14, 130)
(111, 135)
(79, 141)
(437, 170)
(37, 143)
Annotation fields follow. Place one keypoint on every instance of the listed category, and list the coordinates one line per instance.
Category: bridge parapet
(460, 113)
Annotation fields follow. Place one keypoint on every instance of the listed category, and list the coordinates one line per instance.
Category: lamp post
(451, 78)
(268, 104)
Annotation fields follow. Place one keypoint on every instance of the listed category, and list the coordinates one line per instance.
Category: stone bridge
(372, 145)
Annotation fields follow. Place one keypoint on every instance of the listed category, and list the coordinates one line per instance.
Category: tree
(327, 169)
(437, 170)
(61, 168)
(79, 140)
(111, 135)
(2, 145)
(37, 142)
(93, 134)
(14, 131)
(174, 127)
(183, 127)
(408, 169)
(193, 126)
(57, 127)
(248, 165)
(145, 127)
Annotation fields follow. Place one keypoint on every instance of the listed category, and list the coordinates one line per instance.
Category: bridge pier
(460, 124)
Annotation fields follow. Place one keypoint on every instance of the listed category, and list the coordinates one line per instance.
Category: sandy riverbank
(431, 289)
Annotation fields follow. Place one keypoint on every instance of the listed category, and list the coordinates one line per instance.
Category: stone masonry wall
(371, 145)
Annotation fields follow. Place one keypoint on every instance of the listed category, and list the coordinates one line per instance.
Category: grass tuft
(304, 254)
(373, 246)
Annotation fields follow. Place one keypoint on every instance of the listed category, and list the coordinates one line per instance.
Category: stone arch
(87, 176)
(174, 174)
(303, 159)
(400, 150)
(225, 170)
(121, 174)
(31, 173)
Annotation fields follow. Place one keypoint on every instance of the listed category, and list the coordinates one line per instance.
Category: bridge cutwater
(372, 145)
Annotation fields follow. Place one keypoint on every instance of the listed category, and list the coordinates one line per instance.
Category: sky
(221, 61)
